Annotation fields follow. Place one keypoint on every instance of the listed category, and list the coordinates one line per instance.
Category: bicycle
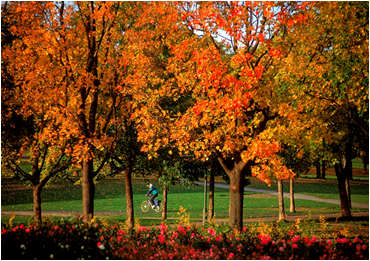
(146, 205)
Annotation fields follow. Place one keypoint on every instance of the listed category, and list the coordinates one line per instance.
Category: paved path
(296, 196)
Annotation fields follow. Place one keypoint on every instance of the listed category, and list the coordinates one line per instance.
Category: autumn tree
(328, 74)
(69, 62)
(26, 127)
(221, 58)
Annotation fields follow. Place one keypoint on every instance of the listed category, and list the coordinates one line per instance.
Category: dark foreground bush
(89, 240)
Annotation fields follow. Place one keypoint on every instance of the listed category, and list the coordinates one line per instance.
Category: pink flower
(135, 251)
(211, 231)
(266, 258)
(245, 228)
(192, 235)
(281, 249)
(142, 228)
(231, 255)
(295, 239)
(341, 240)
(329, 242)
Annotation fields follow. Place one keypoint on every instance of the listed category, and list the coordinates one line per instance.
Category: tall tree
(227, 81)
(27, 127)
(70, 56)
(328, 72)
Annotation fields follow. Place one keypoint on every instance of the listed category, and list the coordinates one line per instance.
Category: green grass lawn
(326, 189)
(110, 196)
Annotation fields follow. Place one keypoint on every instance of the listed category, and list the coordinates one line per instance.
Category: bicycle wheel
(158, 208)
(145, 206)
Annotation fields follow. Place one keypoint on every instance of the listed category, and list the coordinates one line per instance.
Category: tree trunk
(365, 160)
(281, 200)
(339, 171)
(292, 204)
(318, 174)
(205, 200)
(37, 202)
(348, 190)
(348, 170)
(164, 203)
(365, 167)
(323, 169)
(88, 189)
(129, 199)
(88, 121)
(236, 199)
(211, 201)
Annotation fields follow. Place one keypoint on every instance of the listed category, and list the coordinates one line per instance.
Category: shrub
(77, 239)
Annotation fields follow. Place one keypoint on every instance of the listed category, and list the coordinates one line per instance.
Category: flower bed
(91, 240)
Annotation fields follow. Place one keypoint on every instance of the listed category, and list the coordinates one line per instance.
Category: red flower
(231, 255)
(295, 239)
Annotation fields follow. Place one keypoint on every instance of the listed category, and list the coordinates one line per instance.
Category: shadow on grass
(347, 219)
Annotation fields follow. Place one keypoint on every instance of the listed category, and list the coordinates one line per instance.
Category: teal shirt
(152, 190)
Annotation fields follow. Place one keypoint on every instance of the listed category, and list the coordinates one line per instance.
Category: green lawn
(326, 189)
(110, 196)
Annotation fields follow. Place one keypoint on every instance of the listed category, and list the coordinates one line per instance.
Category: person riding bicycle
(154, 192)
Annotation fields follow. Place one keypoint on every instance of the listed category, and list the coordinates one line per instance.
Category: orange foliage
(229, 98)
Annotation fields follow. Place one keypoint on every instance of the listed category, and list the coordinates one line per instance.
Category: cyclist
(154, 192)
